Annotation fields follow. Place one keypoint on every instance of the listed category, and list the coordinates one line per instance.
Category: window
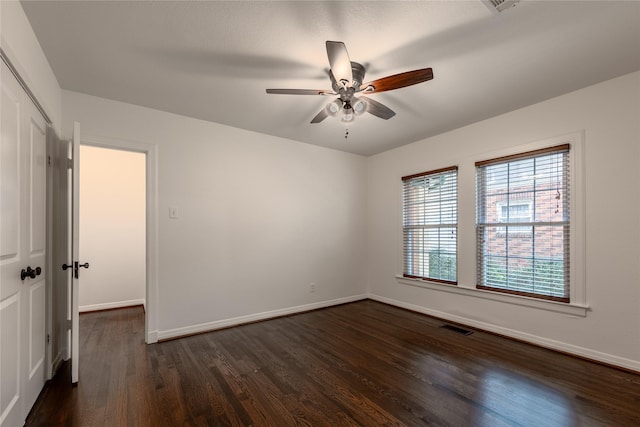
(522, 224)
(430, 225)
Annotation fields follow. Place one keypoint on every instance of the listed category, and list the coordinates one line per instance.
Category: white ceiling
(213, 60)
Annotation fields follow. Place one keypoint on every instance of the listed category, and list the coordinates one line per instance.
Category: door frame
(151, 212)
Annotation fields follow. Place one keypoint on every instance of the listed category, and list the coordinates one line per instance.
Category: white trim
(25, 87)
(151, 151)
(559, 307)
(110, 305)
(577, 260)
(57, 361)
(578, 239)
(235, 321)
(533, 339)
(467, 222)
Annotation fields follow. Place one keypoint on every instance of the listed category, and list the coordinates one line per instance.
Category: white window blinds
(430, 225)
(523, 224)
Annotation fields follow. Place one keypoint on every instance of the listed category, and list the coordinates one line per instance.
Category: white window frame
(466, 224)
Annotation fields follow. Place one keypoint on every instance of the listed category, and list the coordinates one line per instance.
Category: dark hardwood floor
(364, 363)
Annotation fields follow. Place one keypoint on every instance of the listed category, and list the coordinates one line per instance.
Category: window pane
(430, 225)
(529, 259)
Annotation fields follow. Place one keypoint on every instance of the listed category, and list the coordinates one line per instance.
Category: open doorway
(112, 228)
(149, 151)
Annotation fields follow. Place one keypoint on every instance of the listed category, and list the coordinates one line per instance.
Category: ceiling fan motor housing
(358, 77)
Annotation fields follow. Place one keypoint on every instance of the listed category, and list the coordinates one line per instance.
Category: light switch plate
(173, 212)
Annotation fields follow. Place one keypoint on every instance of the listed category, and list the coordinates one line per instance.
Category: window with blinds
(522, 215)
(430, 225)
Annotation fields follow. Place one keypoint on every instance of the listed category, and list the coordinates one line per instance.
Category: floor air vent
(457, 329)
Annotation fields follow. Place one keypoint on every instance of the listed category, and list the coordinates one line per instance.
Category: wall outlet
(312, 287)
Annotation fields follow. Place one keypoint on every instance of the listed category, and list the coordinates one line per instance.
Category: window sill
(558, 307)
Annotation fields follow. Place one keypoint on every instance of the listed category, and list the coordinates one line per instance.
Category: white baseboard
(110, 305)
(55, 364)
(152, 337)
(610, 359)
(225, 323)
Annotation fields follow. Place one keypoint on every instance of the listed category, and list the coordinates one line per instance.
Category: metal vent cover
(456, 329)
(497, 6)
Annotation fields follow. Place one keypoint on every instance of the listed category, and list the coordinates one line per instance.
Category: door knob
(30, 273)
(27, 273)
(76, 267)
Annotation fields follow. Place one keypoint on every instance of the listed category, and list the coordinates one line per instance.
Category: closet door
(22, 252)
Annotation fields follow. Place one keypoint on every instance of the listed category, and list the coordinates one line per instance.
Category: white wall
(21, 45)
(260, 217)
(609, 115)
(112, 228)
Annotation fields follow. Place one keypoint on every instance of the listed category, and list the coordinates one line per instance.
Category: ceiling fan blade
(397, 81)
(339, 62)
(320, 116)
(301, 92)
(378, 109)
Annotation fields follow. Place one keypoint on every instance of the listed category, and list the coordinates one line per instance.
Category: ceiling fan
(347, 82)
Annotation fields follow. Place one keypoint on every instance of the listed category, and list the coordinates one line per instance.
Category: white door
(62, 250)
(22, 252)
(77, 263)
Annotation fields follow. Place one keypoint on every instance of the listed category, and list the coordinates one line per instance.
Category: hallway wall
(112, 228)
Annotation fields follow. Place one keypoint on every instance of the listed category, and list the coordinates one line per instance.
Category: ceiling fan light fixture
(347, 112)
(359, 106)
(334, 107)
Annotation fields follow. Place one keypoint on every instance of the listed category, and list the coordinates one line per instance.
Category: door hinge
(69, 163)
(49, 160)
(48, 339)
(68, 324)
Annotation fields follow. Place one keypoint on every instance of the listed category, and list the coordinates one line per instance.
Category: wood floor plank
(358, 364)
